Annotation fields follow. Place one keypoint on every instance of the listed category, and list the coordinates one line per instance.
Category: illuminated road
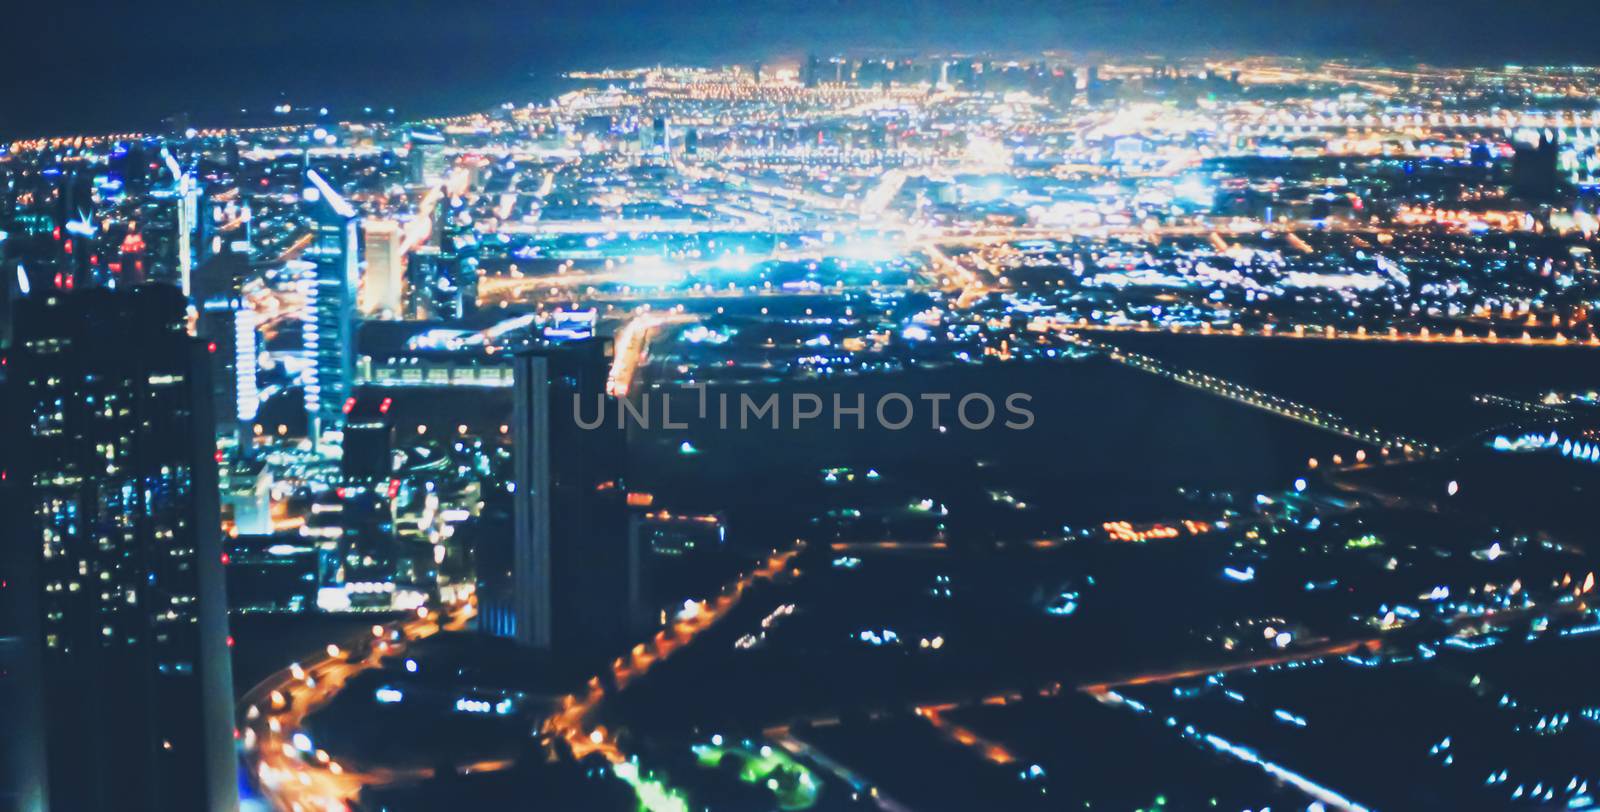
(947, 274)
(786, 739)
(990, 750)
(877, 201)
(968, 278)
(1308, 415)
(1328, 333)
(1156, 677)
(631, 348)
(1104, 691)
(1325, 796)
(284, 765)
(997, 753)
(1546, 410)
(651, 277)
(573, 719)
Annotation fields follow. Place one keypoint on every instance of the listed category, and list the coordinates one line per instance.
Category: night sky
(116, 64)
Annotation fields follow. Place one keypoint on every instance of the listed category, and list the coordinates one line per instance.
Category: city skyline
(872, 426)
(430, 59)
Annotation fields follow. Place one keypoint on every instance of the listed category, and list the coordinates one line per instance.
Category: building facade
(574, 588)
(114, 543)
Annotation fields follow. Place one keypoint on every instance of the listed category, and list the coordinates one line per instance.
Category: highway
(283, 764)
(1328, 333)
(1193, 672)
(1239, 393)
(631, 348)
(996, 752)
(787, 740)
(574, 718)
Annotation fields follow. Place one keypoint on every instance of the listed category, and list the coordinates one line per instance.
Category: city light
(372, 457)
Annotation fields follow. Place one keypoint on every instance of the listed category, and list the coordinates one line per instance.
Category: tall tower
(661, 135)
(426, 160)
(227, 322)
(13, 282)
(382, 281)
(184, 198)
(330, 336)
(113, 539)
(575, 575)
(1535, 169)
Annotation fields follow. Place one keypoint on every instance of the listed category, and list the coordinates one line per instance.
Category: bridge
(1239, 393)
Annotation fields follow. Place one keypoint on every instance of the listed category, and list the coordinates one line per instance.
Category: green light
(1364, 542)
(654, 796)
(758, 768)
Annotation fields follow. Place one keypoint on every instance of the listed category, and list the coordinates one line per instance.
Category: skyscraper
(22, 766)
(228, 322)
(444, 281)
(114, 545)
(330, 335)
(574, 582)
(368, 442)
(426, 159)
(13, 277)
(75, 231)
(1535, 169)
(660, 135)
(176, 210)
(382, 282)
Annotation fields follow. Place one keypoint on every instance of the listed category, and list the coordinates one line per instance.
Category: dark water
(1107, 442)
(1420, 389)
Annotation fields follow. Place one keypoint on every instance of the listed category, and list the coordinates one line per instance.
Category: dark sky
(110, 64)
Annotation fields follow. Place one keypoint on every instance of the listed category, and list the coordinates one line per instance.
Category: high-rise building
(574, 589)
(247, 496)
(427, 162)
(13, 278)
(22, 765)
(75, 231)
(112, 540)
(368, 442)
(207, 217)
(444, 282)
(330, 333)
(230, 328)
(1535, 169)
(21, 757)
(227, 322)
(383, 281)
(660, 135)
(177, 215)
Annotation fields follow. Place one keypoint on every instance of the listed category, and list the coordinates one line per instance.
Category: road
(632, 348)
(1329, 333)
(786, 739)
(283, 764)
(573, 720)
(1147, 678)
(1239, 393)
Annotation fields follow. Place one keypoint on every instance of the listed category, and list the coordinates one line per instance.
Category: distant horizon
(116, 68)
(532, 86)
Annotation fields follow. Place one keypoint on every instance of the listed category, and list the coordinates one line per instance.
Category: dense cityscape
(937, 431)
